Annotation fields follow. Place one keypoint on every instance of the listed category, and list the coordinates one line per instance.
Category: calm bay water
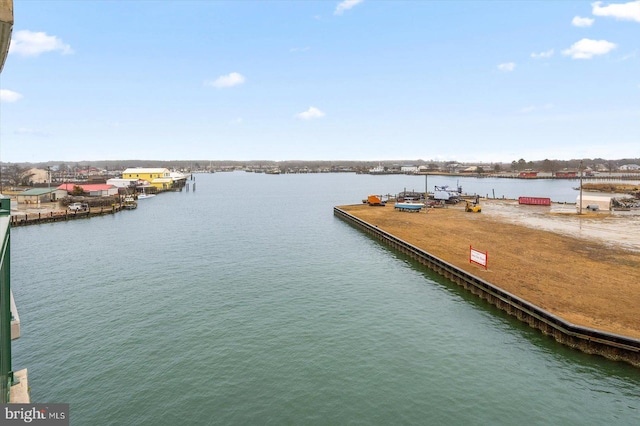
(247, 302)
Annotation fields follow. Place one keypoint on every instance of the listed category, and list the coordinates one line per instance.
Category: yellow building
(157, 177)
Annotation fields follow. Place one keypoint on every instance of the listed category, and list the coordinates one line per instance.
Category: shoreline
(582, 281)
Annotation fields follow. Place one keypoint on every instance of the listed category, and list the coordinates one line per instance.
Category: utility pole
(426, 188)
(580, 211)
(49, 179)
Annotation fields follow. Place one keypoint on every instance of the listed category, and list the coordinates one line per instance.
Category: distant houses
(47, 195)
(567, 174)
(630, 167)
(408, 169)
(132, 180)
(528, 174)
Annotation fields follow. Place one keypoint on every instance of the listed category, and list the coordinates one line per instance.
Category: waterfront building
(159, 178)
(40, 195)
(122, 183)
(92, 190)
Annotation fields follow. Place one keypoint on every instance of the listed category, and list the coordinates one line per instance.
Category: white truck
(74, 207)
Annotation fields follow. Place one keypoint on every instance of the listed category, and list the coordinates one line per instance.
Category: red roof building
(94, 190)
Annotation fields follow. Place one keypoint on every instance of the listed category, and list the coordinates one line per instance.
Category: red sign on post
(478, 257)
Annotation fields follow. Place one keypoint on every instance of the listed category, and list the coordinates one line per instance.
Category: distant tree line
(18, 173)
(553, 166)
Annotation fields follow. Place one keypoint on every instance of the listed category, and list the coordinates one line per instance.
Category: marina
(283, 314)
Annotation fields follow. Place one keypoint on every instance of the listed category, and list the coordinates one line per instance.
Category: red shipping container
(535, 201)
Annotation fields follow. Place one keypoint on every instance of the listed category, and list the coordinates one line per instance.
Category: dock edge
(591, 341)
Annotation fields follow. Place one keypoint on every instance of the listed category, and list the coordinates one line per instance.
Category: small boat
(129, 203)
(411, 207)
(143, 195)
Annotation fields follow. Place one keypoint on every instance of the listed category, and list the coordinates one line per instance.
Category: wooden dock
(24, 219)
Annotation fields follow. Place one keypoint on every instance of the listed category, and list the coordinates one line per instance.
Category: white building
(122, 183)
(409, 169)
(602, 202)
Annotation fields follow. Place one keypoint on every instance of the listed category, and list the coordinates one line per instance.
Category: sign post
(478, 257)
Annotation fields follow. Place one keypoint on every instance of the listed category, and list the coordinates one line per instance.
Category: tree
(17, 175)
(77, 190)
(522, 164)
(549, 166)
(479, 170)
(497, 168)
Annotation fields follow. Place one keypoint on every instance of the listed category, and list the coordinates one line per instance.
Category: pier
(587, 339)
(24, 219)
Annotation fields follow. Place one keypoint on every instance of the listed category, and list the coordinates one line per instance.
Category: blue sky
(321, 80)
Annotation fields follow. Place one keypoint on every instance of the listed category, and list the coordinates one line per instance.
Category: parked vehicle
(75, 207)
(473, 207)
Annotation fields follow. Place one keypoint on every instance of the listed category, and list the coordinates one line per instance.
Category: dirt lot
(585, 269)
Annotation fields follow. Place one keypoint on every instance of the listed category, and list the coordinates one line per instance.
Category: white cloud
(545, 54)
(9, 96)
(229, 80)
(236, 121)
(507, 67)
(623, 11)
(299, 49)
(587, 48)
(345, 5)
(578, 21)
(312, 112)
(528, 109)
(29, 43)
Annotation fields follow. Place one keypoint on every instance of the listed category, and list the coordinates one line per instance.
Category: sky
(468, 81)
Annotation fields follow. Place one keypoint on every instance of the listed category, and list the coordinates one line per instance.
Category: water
(247, 302)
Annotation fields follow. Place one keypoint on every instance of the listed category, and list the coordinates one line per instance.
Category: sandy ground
(583, 268)
(43, 208)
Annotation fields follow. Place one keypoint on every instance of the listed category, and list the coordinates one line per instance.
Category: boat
(410, 207)
(377, 170)
(129, 203)
(143, 195)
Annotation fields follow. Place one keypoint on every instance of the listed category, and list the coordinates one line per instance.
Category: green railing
(6, 374)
